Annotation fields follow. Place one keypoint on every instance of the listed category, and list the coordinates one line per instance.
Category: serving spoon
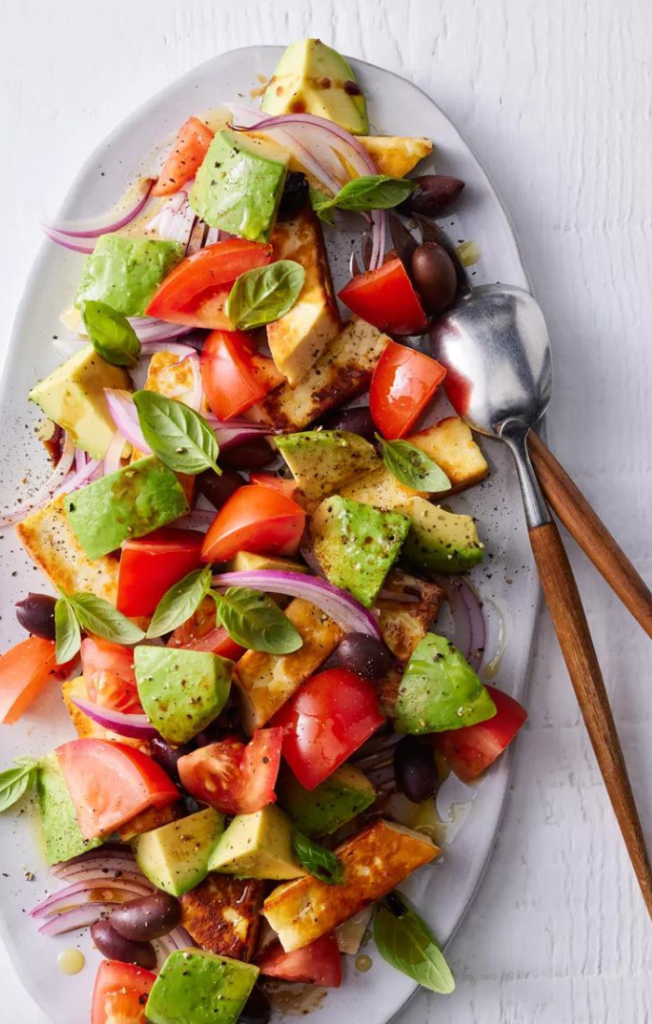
(494, 344)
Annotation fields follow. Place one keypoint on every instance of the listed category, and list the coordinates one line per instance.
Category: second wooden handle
(588, 530)
(565, 605)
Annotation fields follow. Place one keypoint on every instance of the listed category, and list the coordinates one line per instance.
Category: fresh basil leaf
(320, 203)
(264, 294)
(110, 333)
(15, 782)
(368, 192)
(254, 621)
(67, 631)
(180, 602)
(101, 618)
(405, 942)
(317, 860)
(412, 467)
(179, 436)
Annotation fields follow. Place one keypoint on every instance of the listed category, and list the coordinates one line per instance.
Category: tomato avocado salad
(247, 540)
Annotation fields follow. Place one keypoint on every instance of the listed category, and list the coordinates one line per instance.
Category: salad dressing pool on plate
(71, 961)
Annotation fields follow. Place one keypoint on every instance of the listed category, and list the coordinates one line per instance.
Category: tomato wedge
(332, 715)
(200, 633)
(256, 519)
(109, 674)
(25, 670)
(195, 292)
(233, 777)
(234, 375)
(471, 750)
(316, 964)
(185, 158)
(284, 485)
(403, 384)
(151, 565)
(387, 299)
(120, 993)
(111, 783)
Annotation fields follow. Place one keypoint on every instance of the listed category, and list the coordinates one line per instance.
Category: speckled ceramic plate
(442, 891)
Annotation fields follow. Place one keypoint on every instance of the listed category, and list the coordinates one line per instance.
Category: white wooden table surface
(555, 99)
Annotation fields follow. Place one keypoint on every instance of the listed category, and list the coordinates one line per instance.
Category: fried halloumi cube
(379, 488)
(341, 373)
(396, 155)
(50, 541)
(298, 339)
(450, 444)
(223, 915)
(266, 681)
(374, 862)
(404, 624)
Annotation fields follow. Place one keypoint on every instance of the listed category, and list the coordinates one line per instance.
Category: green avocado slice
(194, 987)
(440, 691)
(175, 856)
(322, 460)
(124, 271)
(61, 833)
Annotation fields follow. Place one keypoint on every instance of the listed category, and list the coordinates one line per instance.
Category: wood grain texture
(554, 98)
(588, 530)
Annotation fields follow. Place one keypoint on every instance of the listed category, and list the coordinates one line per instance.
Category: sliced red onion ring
(175, 220)
(73, 920)
(175, 347)
(47, 491)
(353, 150)
(135, 726)
(151, 331)
(230, 437)
(348, 613)
(67, 242)
(81, 459)
(470, 634)
(125, 416)
(113, 458)
(104, 225)
(79, 893)
(72, 483)
(109, 863)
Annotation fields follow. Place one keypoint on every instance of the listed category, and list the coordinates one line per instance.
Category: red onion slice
(73, 920)
(152, 332)
(125, 416)
(113, 458)
(470, 633)
(104, 225)
(80, 893)
(354, 151)
(134, 726)
(46, 492)
(78, 479)
(340, 606)
(101, 861)
(230, 437)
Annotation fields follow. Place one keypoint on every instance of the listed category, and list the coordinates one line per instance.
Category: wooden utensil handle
(591, 534)
(563, 600)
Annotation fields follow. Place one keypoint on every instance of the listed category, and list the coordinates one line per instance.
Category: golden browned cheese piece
(223, 915)
(374, 861)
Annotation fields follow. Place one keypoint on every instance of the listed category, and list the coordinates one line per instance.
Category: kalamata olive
(362, 654)
(358, 420)
(36, 614)
(114, 946)
(257, 1009)
(147, 918)
(434, 275)
(254, 454)
(435, 193)
(415, 769)
(295, 195)
(218, 489)
(168, 756)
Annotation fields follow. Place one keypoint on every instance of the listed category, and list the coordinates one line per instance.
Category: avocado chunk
(124, 271)
(73, 396)
(440, 541)
(336, 800)
(440, 691)
(182, 692)
(257, 846)
(175, 856)
(61, 833)
(322, 460)
(134, 501)
(194, 987)
(238, 187)
(357, 545)
(315, 79)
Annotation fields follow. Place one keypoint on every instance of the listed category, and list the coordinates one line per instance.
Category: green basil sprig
(264, 294)
(177, 435)
(250, 618)
(317, 860)
(74, 612)
(110, 333)
(180, 602)
(15, 782)
(368, 192)
(412, 467)
(405, 942)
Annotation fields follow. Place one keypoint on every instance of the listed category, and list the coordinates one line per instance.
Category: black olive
(35, 613)
(295, 195)
(168, 756)
(362, 654)
(254, 454)
(415, 769)
(434, 275)
(218, 489)
(147, 918)
(114, 946)
(434, 194)
(357, 420)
